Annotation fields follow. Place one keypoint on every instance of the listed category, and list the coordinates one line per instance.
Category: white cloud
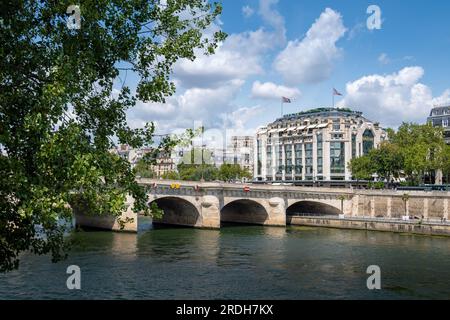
(394, 98)
(384, 59)
(240, 56)
(247, 11)
(196, 105)
(208, 86)
(443, 99)
(357, 29)
(273, 18)
(270, 90)
(206, 104)
(236, 121)
(311, 60)
(213, 71)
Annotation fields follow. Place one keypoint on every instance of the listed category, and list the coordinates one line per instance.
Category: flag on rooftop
(286, 100)
(336, 93)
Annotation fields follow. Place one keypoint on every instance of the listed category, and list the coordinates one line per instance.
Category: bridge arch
(177, 211)
(316, 208)
(244, 211)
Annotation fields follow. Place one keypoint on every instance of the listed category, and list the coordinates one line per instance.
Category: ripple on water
(239, 262)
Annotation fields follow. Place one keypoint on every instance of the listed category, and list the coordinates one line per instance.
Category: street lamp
(203, 161)
(202, 131)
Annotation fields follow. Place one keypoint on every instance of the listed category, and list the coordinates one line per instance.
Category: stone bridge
(207, 205)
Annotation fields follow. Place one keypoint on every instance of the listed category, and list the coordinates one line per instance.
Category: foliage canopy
(60, 111)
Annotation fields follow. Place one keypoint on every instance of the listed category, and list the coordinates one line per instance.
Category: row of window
(441, 111)
(337, 155)
(441, 122)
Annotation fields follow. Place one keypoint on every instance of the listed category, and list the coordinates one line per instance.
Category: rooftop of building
(440, 110)
(324, 112)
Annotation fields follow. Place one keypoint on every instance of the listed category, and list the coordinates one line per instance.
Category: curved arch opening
(244, 211)
(177, 211)
(312, 208)
(368, 141)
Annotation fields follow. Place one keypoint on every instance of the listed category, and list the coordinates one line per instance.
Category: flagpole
(332, 97)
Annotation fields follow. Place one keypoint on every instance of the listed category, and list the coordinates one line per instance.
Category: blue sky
(302, 49)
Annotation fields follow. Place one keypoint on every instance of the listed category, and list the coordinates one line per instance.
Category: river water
(239, 262)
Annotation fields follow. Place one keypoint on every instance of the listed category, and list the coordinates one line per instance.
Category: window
(298, 158)
(337, 157)
(269, 160)
(247, 158)
(437, 122)
(279, 159)
(298, 151)
(308, 158)
(336, 124)
(319, 154)
(368, 141)
(353, 146)
(259, 160)
(288, 158)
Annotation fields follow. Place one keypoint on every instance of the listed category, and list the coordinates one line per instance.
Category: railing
(373, 219)
(314, 215)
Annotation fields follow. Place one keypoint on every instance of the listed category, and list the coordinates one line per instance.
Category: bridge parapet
(206, 204)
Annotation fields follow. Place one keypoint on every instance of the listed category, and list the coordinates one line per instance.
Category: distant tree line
(208, 172)
(196, 172)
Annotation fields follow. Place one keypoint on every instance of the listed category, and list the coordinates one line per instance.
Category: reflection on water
(239, 262)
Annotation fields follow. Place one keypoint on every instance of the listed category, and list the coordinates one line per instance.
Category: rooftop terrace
(324, 112)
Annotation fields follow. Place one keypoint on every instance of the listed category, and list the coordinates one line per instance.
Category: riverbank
(413, 227)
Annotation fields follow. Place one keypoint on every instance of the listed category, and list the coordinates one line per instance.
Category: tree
(422, 147)
(171, 175)
(60, 107)
(413, 150)
(229, 172)
(144, 170)
(194, 172)
(386, 160)
(446, 163)
(361, 168)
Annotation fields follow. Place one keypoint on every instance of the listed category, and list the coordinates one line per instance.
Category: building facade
(164, 163)
(127, 153)
(314, 145)
(242, 149)
(440, 117)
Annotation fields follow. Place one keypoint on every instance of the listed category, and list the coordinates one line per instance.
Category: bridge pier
(277, 212)
(210, 212)
(127, 222)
